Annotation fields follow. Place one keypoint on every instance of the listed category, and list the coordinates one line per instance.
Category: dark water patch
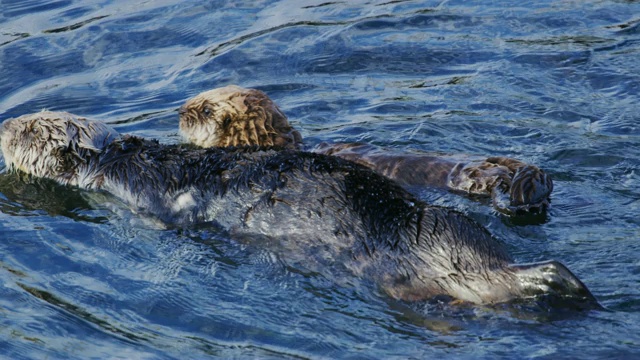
(586, 41)
(8, 38)
(550, 60)
(141, 118)
(621, 47)
(454, 80)
(244, 350)
(13, 271)
(221, 48)
(628, 28)
(322, 5)
(23, 195)
(586, 158)
(389, 60)
(80, 313)
(74, 26)
(286, 88)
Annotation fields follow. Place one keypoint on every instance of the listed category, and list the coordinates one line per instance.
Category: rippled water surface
(555, 83)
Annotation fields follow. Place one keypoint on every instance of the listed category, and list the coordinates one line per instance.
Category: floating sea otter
(235, 116)
(316, 211)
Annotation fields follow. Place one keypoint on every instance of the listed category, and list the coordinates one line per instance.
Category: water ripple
(74, 26)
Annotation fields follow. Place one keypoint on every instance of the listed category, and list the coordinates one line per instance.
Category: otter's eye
(206, 111)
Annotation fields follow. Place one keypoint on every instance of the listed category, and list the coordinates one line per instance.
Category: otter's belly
(306, 220)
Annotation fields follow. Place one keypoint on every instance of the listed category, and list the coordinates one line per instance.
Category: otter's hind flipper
(552, 278)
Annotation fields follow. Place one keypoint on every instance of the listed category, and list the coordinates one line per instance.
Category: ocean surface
(553, 83)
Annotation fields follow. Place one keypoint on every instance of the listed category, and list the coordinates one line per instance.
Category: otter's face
(235, 116)
(52, 144)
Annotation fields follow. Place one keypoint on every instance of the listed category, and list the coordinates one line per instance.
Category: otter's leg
(513, 185)
(405, 168)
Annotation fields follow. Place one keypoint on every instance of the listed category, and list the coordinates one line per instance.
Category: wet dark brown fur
(236, 116)
(317, 211)
(513, 185)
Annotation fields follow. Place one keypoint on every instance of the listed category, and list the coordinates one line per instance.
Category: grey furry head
(52, 145)
(235, 116)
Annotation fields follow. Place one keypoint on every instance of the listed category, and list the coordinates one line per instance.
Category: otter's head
(52, 145)
(235, 116)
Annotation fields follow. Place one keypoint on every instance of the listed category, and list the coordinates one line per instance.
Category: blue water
(554, 83)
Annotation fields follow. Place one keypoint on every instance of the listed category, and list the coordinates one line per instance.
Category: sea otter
(235, 116)
(317, 211)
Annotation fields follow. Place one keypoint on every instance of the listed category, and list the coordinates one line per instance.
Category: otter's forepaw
(528, 192)
(457, 302)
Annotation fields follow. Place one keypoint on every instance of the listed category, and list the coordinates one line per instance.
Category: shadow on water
(24, 194)
(445, 315)
(525, 219)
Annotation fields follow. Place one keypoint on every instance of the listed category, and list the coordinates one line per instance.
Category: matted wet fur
(318, 212)
(233, 115)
